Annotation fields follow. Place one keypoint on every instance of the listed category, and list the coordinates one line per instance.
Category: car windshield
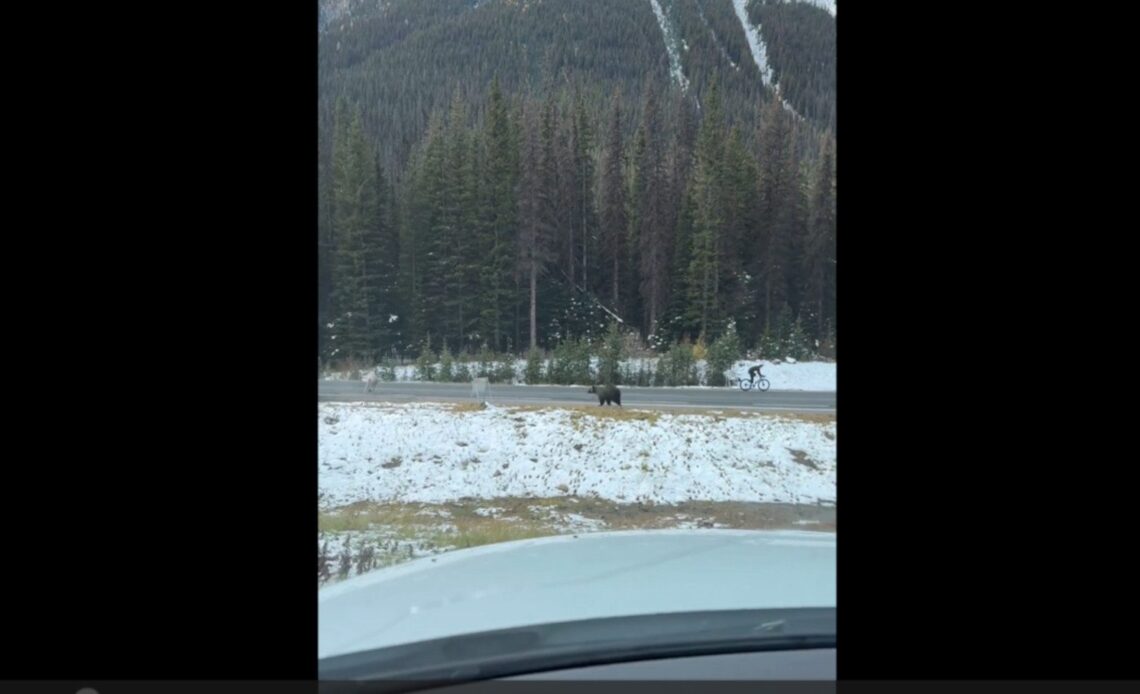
(576, 317)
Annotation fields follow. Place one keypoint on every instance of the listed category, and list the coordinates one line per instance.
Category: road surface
(655, 398)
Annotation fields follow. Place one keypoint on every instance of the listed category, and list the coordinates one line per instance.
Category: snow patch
(759, 52)
(825, 5)
(671, 46)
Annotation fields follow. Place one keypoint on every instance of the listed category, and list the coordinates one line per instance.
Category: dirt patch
(803, 459)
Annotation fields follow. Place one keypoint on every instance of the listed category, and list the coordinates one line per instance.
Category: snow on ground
(785, 375)
(825, 5)
(812, 375)
(495, 474)
(429, 452)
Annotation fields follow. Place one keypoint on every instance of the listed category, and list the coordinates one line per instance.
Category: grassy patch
(813, 417)
(407, 521)
(580, 415)
(481, 530)
(466, 406)
(386, 532)
(366, 515)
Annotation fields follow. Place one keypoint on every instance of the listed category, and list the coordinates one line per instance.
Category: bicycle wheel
(763, 384)
(745, 385)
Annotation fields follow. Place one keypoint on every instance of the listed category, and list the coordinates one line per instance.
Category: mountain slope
(403, 59)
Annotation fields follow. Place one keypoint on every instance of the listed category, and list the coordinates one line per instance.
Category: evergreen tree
(384, 253)
(498, 277)
(355, 277)
(651, 214)
(776, 211)
(612, 203)
(708, 218)
(536, 212)
(819, 254)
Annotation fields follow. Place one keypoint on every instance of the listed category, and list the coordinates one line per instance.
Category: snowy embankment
(427, 452)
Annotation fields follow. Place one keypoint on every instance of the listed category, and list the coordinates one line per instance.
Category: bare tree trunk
(705, 298)
(585, 282)
(616, 282)
(533, 303)
(653, 303)
(767, 304)
(570, 226)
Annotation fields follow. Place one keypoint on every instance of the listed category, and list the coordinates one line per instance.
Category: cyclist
(754, 373)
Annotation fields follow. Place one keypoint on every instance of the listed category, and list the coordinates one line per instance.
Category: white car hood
(567, 578)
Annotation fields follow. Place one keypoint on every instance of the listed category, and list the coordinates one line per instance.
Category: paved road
(660, 398)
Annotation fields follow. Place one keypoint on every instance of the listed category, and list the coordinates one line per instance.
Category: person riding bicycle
(754, 373)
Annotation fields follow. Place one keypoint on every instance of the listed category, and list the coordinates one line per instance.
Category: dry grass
(367, 515)
(389, 531)
(524, 517)
(480, 530)
(619, 414)
(813, 417)
(466, 406)
(579, 412)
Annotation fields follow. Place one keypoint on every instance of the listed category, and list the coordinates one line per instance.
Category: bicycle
(762, 384)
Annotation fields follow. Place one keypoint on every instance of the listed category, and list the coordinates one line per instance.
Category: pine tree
(355, 276)
(612, 202)
(612, 353)
(325, 247)
(476, 213)
(384, 253)
(708, 217)
(497, 295)
(683, 316)
(722, 354)
(458, 252)
(737, 193)
(411, 211)
(536, 211)
(776, 211)
(819, 253)
(435, 219)
(651, 215)
(582, 145)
